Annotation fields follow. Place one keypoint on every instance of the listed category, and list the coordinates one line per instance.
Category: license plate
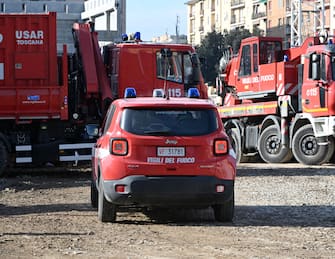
(170, 151)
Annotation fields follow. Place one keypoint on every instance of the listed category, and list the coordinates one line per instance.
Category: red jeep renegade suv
(163, 152)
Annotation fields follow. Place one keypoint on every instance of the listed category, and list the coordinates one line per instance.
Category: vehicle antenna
(166, 53)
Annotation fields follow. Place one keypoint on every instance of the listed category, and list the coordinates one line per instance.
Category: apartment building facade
(205, 16)
(270, 17)
(109, 17)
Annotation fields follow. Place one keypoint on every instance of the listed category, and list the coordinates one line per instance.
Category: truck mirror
(195, 68)
(315, 66)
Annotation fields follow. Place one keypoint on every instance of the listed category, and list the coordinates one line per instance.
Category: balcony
(237, 4)
(256, 2)
(259, 15)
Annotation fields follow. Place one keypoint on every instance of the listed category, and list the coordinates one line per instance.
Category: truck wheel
(106, 210)
(225, 212)
(3, 158)
(270, 148)
(235, 140)
(307, 151)
(94, 195)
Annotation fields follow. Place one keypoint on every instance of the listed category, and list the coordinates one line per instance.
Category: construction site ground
(282, 211)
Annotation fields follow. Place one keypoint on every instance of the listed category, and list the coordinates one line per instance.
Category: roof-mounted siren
(193, 93)
(158, 93)
(130, 92)
(124, 37)
(137, 36)
(133, 37)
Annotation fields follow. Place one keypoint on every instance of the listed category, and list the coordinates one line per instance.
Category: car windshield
(169, 122)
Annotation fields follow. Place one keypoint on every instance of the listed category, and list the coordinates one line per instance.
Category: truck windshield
(176, 68)
(171, 122)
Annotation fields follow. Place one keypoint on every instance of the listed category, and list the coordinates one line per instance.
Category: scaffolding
(318, 10)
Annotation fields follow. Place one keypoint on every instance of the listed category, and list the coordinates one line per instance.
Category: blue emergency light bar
(130, 92)
(193, 93)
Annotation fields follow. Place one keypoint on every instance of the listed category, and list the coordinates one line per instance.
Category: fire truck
(52, 104)
(280, 103)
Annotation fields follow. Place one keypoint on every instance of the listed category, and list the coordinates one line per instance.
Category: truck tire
(94, 195)
(235, 140)
(270, 148)
(106, 210)
(3, 158)
(225, 212)
(307, 151)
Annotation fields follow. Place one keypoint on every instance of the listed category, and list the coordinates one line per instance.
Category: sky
(156, 17)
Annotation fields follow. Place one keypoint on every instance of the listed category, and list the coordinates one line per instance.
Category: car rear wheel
(225, 212)
(94, 195)
(106, 209)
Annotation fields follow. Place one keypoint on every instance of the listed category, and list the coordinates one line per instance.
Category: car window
(171, 122)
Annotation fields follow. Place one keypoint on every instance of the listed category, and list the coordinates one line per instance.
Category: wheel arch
(269, 121)
(235, 124)
(298, 122)
(230, 124)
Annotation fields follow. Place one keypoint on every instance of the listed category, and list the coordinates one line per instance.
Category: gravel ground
(282, 211)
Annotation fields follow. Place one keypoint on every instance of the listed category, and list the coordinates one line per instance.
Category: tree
(210, 52)
(212, 47)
